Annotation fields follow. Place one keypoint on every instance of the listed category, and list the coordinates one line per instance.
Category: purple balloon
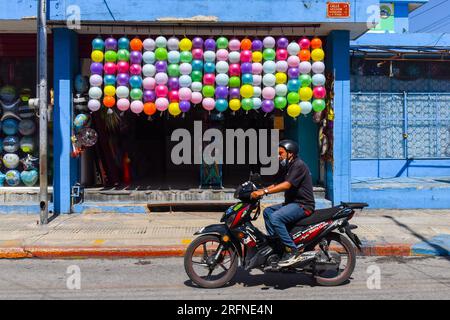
(197, 43)
(122, 79)
(246, 67)
(210, 44)
(184, 105)
(221, 92)
(235, 93)
(282, 43)
(110, 44)
(257, 45)
(293, 73)
(97, 68)
(173, 83)
(267, 106)
(135, 57)
(149, 96)
(161, 66)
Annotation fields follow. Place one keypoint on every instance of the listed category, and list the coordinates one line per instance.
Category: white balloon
(161, 42)
(185, 81)
(281, 90)
(293, 61)
(149, 57)
(173, 56)
(222, 67)
(269, 42)
(148, 70)
(282, 66)
(304, 67)
(269, 80)
(94, 105)
(122, 92)
(161, 78)
(318, 79)
(257, 103)
(173, 43)
(257, 92)
(306, 107)
(234, 57)
(95, 93)
(197, 86)
(149, 44)
(185, 68)
(96, 80)
(318, 67)
(269, 67)
(222, 79)
(209, 56)
(257, 79)
(293, 48)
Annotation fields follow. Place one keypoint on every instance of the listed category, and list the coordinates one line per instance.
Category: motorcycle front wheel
(205, 266)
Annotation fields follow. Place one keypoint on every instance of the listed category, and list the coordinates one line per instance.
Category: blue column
(338, 62)
(401, 22)
(65, 66)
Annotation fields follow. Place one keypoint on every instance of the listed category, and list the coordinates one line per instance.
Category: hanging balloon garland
(218, 74)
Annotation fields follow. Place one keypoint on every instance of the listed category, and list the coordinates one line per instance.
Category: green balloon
(280, 102)
(123, 55)
(247, 104)
(161, 54)
(318, 105)
(208, 91)
(222, 43)
(173, 70)
(185, 56)
(136, 94)
(305, 80)
(293, 98)
(269, 54)
(196, 76)
(235, 82)
(110, 56)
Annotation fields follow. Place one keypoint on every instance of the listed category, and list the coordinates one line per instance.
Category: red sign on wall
(338, 9)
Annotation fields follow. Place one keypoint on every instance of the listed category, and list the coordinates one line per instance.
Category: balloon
(305, 107)
(196, 97)
(123, 55)
(221, 92)
(161, 66)
(149, 70)
(110, 56)
(97, 56)
(197, 65)
(149, 57)
(173, 96)
(257, 68)
(110, 68)
(149, 83)
(109, 80)
(173, 83)
(293, 48)
(269, 42)
(305, 93)
(247, 78)
(161, 91)
(246, 67)
(234, 57)
(293, 97)
(208, 104)
(210, 44)
(235, 82)
(209, 56)
(136, 94)
(246, 44)
(135, 57)
(305, 80)
(123, 104)
(196, 76)
(222, 43)
(293, 85)
(257, 92)
(235, 104)
(246, 91)
(222, 79)
(109, 101)
(208, 91)
(161, 42)
(280, 102)
(185, 94)
(304, 43)
(95, 93)
(185, 68)
(235, 93)
(269, 80)
(149, 108)
(269, 54)
(257, 79)
(161, 104)
(293, 61)
(282, 43)
(319, 92)
(234, 44)
(267, 106)
(161, 54)
(304, 67)
(111, 44)
(160, 78)
(185, 106)
(318, 105)
(222, 67)
(98, 44)
(269, 67)
(209, 79)
(173, 56)
(186, 56)
(318, 80)
(136, 44)
(198, 54)
(246, 56)
(109, 90)
(135, 81)
(95, 80)
(281, 66)
(122, 79)
(173, 70)
(268, 93)
(137, 106)
(293, 73)
(221, 105)
(318, 67)
(123, 67)
(94, 105)
(281, 90)
(257, 56)
(135, 69)
(197, 86)
(317, 54)
(96, 68)
(257, 45)
(185, 44)
(247, 104)
(257, 103)
(209, 67)
(173, 43)
(149, 96)
(149, 44)
(293, 110)
(316, 43)
(280, 77)
(197, 42)
(234, 69)
(282, 54)
(122, 92)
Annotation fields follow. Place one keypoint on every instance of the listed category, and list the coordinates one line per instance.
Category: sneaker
(289, 257)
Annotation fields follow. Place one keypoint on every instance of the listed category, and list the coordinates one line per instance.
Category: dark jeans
(278, 216)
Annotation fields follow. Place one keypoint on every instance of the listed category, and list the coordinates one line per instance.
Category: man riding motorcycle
(299, 199)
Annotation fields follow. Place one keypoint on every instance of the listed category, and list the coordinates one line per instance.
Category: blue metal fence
(400, 125)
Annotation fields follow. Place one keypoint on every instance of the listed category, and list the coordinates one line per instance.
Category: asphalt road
(401, 278)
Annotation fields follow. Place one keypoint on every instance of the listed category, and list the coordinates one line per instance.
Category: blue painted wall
(381, 168)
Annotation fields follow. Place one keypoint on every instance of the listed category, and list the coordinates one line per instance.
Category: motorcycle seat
(319, 216)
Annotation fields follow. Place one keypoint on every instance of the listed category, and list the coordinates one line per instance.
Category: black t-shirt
(301, 191)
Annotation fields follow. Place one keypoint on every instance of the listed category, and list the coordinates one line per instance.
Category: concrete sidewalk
(383, 232)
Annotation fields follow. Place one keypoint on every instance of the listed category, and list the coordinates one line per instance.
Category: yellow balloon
(109, 91)
(317, 54)
(257, 56)
(185, 44)
(280, 78)
(174, 109)
(97, 56)
(247, 91)
(294, 110)
(234, 104)
(305, 93)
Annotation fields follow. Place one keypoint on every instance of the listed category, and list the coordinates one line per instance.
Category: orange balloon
(316, 43)
(136, 44)
(304, 55)
(149, 108)
(109, 101)
(246, 44)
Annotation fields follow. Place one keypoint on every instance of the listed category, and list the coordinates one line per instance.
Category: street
(401, 278)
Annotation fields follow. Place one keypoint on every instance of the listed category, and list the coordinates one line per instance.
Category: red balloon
(234, 69)
(282, 54)
(246, 56)
(209, 79)
(123, 67)
(110, 68)
(173, 96)
(161, 91)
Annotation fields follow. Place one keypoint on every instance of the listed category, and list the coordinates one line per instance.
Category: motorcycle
(325, 239)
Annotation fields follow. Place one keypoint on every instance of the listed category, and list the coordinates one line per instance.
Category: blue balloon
(10, 126)
(247, 78)
(221, 105)
(293, 85)
(98, 44)
(124, 43)
(197, 65)
(109, 79)
(135, 81)
(209, 67)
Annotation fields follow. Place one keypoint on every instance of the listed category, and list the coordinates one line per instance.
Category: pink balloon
(246, 56)
(196, 97)
(110, 68)
(268, 93)
(319, 92)
(222, 55)
(234, 69)
(149, 83)
(234, 44)
(304, 43)
(135, 69)
(161, 104)
(161, 91)
(174, 96)
(293, 61)
(123, 67)
(257, 68)
(209, 79)
(282, 54)
(208, 104)
(123, 104)
(137, 106)
(197, 54)
(185, 94)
